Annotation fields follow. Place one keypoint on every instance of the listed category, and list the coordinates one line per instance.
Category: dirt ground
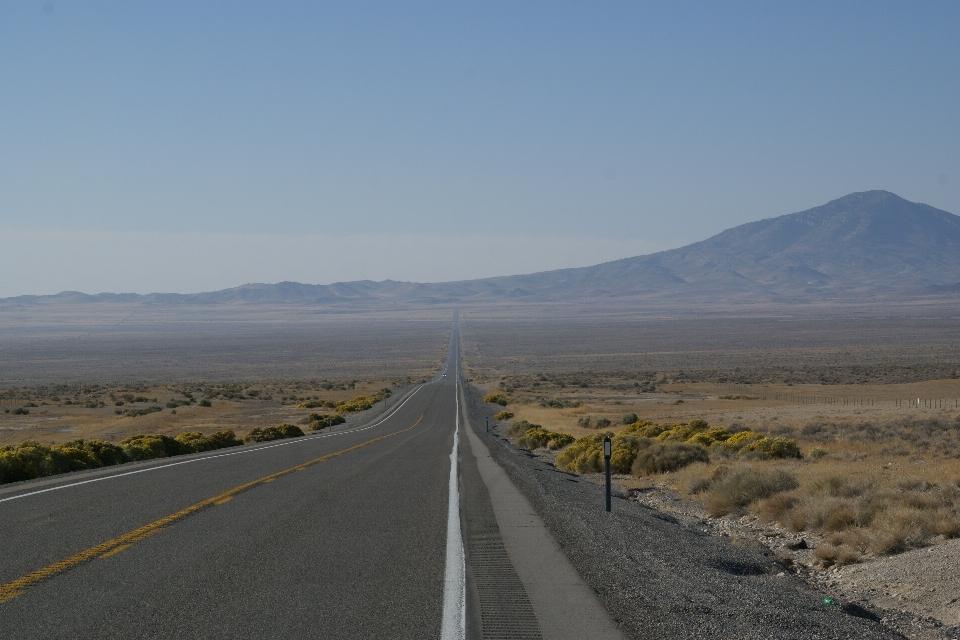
(762, 408)
(53, 422)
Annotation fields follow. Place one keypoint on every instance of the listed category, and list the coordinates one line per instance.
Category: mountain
(859, 246)
(869, 246)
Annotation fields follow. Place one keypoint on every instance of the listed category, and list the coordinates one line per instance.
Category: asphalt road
(345, 546)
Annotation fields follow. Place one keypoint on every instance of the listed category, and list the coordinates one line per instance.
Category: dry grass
(809, 347)
(876, 478)
(233, 406)
(862, 505)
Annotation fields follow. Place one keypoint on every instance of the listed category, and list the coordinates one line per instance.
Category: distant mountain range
(869, 246)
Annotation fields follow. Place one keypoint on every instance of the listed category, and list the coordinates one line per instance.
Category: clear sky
(189, 146)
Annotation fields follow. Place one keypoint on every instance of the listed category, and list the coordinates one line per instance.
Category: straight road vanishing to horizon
(351, 534)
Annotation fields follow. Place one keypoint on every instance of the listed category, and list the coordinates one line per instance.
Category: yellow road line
(14, 588)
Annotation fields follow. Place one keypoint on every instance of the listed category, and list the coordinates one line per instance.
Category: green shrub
(147, 447)
(521, 426)
(319, 421)
(266, 434)
(601, 423)
(774, 447)
(195, 441)
(585, 455)
(23, 462)
(663, 457)
(677, 445)
(537, 437)
(65, 459)
(628, 418)
(735, 489)
(225, 439)
(699, 432)
(105, 453)
(362, 403)
(558, 403)
(205, 403)
(740, 440)
(317, 404)
(646, 429)
(503, 415)
(496, 398)
(16, 466)
(684, 431)
(32, 460)
(20, 411)
(135, 413)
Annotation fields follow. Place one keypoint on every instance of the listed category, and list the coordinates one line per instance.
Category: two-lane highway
(343, 536)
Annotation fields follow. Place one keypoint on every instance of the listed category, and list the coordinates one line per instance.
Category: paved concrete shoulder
(565, 606)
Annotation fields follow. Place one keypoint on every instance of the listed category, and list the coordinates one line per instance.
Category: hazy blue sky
(196, 145)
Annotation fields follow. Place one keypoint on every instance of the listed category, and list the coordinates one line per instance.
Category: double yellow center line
(105, 549)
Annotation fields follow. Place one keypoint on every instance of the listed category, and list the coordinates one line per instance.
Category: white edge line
(219, 455)
(454, 622)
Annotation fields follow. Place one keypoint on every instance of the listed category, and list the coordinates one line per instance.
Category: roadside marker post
(606, 466)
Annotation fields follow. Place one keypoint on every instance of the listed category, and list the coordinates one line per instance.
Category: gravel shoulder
(916, 593)
(668, 576)
(919, 589)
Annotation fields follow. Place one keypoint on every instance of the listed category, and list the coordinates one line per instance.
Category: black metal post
(606, 466)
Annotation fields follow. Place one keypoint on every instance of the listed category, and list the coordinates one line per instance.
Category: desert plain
(872, 402)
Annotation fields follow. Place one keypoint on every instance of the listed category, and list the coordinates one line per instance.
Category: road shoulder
(565, 606)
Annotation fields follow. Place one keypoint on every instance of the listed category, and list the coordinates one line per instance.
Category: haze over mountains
(871, 246)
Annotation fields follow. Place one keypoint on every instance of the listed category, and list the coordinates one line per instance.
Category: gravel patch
(922, 582)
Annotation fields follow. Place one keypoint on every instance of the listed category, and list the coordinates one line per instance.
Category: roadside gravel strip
(663, 578)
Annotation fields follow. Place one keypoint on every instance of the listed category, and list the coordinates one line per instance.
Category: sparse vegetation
(317, 404)
(859, 505)
(266, 434)
(320, 421)
(496, 398)
(558, 403)
(734, 489)
(521, 426)
(646, 448)
(30, 459)
(663, 457)
(585, 455)
(361, 403)
(536, 437)
(135, 413)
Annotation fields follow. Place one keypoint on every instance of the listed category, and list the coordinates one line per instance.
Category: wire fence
(859, 401)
